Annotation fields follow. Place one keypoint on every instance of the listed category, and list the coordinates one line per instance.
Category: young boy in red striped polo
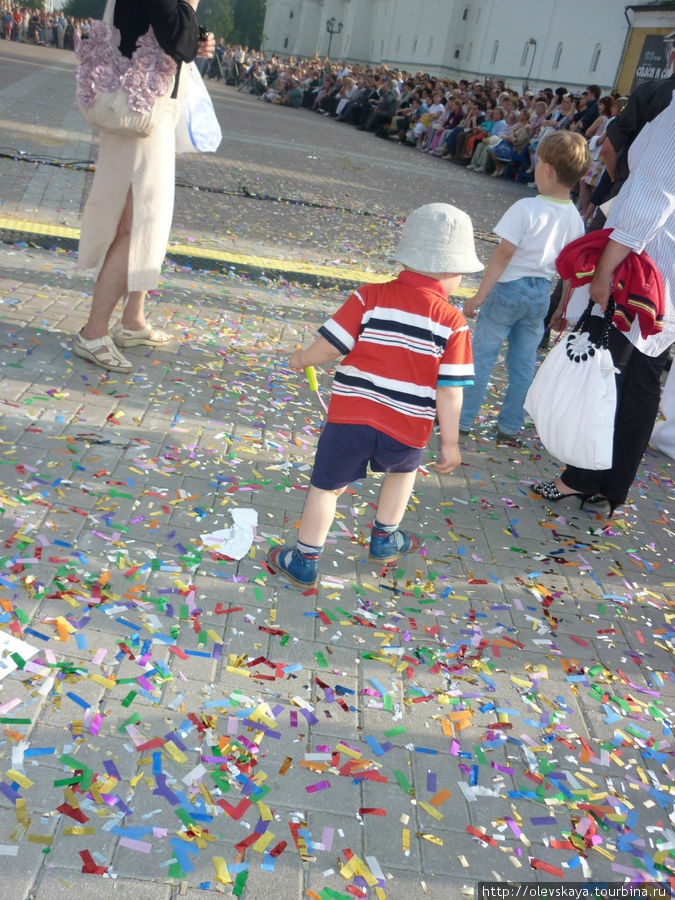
(407, 356)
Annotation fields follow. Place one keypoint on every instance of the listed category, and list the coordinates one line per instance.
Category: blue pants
(513, 311)
(451, 140)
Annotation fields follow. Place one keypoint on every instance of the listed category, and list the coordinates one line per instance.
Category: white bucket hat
(438, 238)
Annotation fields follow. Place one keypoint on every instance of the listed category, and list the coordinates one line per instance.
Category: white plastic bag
(197, 129)
(572, 400)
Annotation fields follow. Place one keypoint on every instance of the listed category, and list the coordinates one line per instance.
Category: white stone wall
(458, 37)
(283, 25)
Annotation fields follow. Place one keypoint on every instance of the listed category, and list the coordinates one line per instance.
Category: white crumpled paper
(234, 542)
(8, 645)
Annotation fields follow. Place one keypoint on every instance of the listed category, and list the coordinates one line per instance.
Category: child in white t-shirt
(514, 294)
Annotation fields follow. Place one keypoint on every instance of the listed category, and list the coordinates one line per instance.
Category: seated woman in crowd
(539, 131)
(327, 85)
(277, 89)
(471, 126)
(500, 128)
(450, 139)
(513, 145)
(348, 90)
(453, 116)
(562, 114)
(492, 117)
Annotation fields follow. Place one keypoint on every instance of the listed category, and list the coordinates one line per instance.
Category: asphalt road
(363, 187)
(286, 182)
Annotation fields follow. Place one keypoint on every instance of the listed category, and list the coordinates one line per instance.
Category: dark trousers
(377, 120)
(638, 389)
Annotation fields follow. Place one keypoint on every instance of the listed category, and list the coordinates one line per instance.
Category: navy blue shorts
(344, 451)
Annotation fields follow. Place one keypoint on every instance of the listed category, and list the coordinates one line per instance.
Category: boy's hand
(317, 354)
(295, 363)
(471, 306)
(557, 321)
(451, 458)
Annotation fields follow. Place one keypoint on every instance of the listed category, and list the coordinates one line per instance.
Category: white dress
(146, 166)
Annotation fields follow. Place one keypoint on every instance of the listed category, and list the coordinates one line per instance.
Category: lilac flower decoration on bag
(144, 77)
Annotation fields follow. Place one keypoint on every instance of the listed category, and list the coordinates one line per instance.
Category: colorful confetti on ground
(497, 707)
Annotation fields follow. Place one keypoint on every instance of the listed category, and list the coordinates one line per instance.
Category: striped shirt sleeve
(342, 329)
(456, 368)
(647, 199)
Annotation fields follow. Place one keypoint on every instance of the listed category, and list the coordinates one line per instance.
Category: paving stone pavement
(496, 707)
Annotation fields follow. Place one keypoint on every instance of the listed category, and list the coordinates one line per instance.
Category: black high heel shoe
(549, 491)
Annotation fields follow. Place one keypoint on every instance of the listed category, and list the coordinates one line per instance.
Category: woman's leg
(451, 142)
(499, 164)
(638, 390)
(111, 284)
(479, 157)
(133, 314)
(460, 145)
(637, 405)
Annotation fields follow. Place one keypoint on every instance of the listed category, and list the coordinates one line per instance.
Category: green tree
(34, 4)
(217, 16)
(238, 21)
(84, 9)
(249, 18)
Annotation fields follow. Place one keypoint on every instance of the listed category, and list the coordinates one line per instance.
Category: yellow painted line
(39, 228)
(280, 265)
(259, 262)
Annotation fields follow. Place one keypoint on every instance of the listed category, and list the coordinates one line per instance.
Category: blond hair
(567, 152)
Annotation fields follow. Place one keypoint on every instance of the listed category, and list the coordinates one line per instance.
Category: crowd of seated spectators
(46, 29)
(480, 124)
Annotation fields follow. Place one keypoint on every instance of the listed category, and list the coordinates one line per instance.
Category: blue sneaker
(288, 561)
(386, 546)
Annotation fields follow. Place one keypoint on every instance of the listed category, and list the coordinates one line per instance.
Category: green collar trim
(554, 199)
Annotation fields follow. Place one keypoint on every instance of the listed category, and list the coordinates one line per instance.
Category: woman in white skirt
(127, 217)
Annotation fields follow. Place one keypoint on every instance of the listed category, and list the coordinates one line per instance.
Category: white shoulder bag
(119, 95)
(572, 400)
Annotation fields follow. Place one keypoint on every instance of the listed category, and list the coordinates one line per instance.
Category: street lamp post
(332, 27)
(532, 43)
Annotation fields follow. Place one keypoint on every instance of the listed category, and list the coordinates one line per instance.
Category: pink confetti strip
(96, 724)
(327, 839)
(319, 786)
(138, 846)
(512, 825)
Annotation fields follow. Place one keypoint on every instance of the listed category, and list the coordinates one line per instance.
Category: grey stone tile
(59, 884)
(19, 872)
(404, 883)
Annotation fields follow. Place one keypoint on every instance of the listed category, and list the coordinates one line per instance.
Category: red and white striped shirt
(402, 340)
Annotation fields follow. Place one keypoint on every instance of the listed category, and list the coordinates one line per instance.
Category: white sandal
(143, 337)
(102, 352)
